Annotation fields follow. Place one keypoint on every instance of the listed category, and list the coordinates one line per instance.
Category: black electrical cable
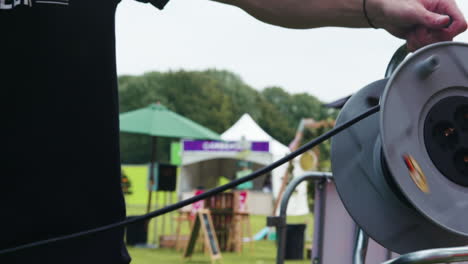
(202, 196)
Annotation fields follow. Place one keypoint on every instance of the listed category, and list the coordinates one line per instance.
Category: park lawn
(258, 222)
(264, 251)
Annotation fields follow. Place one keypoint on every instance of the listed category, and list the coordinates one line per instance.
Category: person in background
(60, 109)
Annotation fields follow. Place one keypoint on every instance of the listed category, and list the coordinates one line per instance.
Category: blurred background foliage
(216, 99)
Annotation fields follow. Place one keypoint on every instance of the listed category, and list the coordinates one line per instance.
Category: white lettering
(10, 4)
(226, 146)
(4, 5)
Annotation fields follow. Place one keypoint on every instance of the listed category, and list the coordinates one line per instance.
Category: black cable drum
(446, 138)
(382, 166)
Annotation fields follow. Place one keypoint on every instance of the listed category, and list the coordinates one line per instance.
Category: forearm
(420, 22)
(306, 13)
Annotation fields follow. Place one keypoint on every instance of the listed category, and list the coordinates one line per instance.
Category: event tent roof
(157, 120)
(246, 128)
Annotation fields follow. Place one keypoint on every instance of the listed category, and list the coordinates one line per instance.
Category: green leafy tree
(214, 99)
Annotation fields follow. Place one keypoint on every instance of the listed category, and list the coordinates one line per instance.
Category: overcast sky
(199, 34)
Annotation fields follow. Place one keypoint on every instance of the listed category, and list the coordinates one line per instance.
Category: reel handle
(397, 58)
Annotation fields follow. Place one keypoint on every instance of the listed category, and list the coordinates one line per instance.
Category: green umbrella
(156, 120)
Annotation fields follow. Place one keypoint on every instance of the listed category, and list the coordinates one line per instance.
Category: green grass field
(264, 252)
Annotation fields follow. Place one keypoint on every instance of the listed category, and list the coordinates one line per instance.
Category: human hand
(420, 22)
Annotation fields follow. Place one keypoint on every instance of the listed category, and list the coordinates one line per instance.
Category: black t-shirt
(59, 152)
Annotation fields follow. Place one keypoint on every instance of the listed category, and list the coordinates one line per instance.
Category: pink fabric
(243, 201)
(198, 205)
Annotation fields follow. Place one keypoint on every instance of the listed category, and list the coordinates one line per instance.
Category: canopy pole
(151, 185)
(152, 163)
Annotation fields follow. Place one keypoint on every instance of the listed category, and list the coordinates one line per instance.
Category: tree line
(216, 99)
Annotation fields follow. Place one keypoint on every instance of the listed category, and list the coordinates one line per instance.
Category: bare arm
(420, 22)
(303, 14)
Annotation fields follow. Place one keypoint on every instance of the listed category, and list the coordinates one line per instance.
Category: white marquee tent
(204, 161)
(246, 128)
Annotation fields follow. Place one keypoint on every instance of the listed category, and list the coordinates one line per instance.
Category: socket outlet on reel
(402, 173)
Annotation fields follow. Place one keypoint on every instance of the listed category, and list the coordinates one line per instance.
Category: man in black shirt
(60, 110)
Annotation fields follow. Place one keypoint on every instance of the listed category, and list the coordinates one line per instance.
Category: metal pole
(151, 180)
(360, 247)
(432, 256)
(389, 254)
(151, 186)
(156, 231)
(319, 216)
(171, 223)
(163, 231)
(281, 220)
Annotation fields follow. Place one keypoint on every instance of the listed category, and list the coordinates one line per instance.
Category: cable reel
(402, 174)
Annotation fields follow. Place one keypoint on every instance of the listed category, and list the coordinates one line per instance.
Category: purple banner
(234, 146)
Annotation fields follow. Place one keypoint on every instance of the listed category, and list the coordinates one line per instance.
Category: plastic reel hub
(402, 173)
(446, 138)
